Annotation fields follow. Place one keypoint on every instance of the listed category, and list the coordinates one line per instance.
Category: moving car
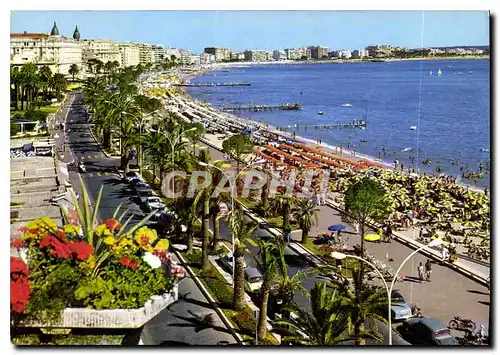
(227, 262)
(153, 203)
(253, 279)
(400, 309)
(427, 331)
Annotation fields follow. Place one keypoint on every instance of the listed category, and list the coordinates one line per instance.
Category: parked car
(129, 176)
(227, 262)
(143, 193)
(427, 331)
(153, 203)
(400, 309)
(138, 183)
(253, 279)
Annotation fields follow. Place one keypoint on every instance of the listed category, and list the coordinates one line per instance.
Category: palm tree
(15, 80)
(58, 83)
(195, 135)
(73, 70)
(29, 80)
(268, 264)
(185, 216)
(284, 285)
(282, 204)
(362, 305)
(238, 146)
(157, 153)
(326, 325)
(242, 234)
(305, 214)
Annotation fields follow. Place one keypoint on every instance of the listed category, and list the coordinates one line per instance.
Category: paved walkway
(448, 294)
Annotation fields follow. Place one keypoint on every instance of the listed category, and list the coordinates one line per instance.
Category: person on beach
(428, 270)
(420, 271)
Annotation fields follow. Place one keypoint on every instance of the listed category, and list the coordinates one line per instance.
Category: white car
(127, 177)
(253, 280)
(154, 203)
(227, 261)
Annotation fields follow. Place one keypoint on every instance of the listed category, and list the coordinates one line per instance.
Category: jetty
(354, 124)
(212, 84)
(295, 106)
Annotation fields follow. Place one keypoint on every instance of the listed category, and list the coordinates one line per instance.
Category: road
(178, 324)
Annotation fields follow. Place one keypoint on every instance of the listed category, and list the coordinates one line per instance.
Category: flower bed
(83, 275)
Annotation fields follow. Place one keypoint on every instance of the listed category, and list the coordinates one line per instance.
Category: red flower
(112, 224)
(17, 243)
(61, 235)
(81, 250)
(20, 290)
(18, 268)
(128, 262)
(57, 247)
(20, 293)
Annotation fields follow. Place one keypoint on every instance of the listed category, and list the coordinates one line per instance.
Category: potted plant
(90, 274)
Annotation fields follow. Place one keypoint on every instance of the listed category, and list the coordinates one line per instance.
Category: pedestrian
(356, 227)
(444, 253)
(288, 234)
(420, 271)
(388, 233)
(428, 270)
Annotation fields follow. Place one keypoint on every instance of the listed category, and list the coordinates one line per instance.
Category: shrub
(14, 129)
(36, 115)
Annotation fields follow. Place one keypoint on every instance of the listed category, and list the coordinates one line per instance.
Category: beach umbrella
(470, 224)
(372, 237)
(337, 227)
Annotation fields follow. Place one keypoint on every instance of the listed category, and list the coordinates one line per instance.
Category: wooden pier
(256, 108)
(212, 84)
(354, 124)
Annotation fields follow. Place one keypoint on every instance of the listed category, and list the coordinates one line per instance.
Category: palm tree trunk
(305, 234)
(261, 325)
(362, 256)
(359, 327)
(190, 241)
(216, 232)
(106, 138)
(265, 196)
(239, 280)
(22, 98)
(205, 230)
(16, 93)
(286, 216)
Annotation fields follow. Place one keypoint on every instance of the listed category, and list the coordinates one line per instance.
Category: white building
(169, 52)
(206, 58)
(146, 55)
(101, 49)
(53, 50)
(237, 56)
(129, 53)
(360, 53)
(343, 54)
(279, 55)
(256, 56)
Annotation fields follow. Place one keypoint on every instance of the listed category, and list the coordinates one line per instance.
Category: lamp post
(338, 255)
(232, 191)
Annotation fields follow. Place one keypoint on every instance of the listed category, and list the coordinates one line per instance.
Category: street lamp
(338, 255)
(232, 191)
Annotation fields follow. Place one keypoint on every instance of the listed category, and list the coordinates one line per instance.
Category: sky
(268, 30)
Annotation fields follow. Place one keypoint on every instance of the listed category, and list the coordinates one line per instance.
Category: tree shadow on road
(485, 303)
(412, 279)
(200, 322)
(478, 292)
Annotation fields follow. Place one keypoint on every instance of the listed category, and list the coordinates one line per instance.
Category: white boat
(430, 73)
(413, 128)
(484, 150)
(320, 112)
(346, 105)
(406, 150)
(440, 72)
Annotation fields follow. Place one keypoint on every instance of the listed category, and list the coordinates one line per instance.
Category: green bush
(14, 129)
(36, 115)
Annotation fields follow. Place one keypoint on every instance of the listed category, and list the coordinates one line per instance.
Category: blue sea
(451, 111)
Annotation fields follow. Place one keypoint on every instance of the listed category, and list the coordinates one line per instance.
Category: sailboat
(430, 73)
(440, 72)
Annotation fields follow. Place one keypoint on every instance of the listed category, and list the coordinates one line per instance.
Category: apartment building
(129, 53)
(279, 55)
(55, 51)
(360, 53)
(380, 51)
(318, 52)
(206, 58)
(146, 55)
(101, 49)
(256, 55)
(221, 54)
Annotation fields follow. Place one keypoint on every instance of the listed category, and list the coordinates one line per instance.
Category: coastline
(346, 61)
(331, 148)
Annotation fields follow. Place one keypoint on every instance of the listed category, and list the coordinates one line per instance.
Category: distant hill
(464, 47)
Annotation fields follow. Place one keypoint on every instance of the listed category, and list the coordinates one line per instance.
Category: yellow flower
(71, 229)
(109, 240)
(124, 244)
(145, 237)
(162, 245)
(37, 229)
(102, 231)
(88, 264)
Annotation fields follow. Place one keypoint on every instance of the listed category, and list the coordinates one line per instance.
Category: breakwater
(295, 106)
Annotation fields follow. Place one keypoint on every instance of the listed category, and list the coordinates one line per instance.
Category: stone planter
(72, 318)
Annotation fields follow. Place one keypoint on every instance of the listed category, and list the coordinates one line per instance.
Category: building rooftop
(28, 35)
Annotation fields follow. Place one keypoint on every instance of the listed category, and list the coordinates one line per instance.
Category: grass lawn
(222, 292)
